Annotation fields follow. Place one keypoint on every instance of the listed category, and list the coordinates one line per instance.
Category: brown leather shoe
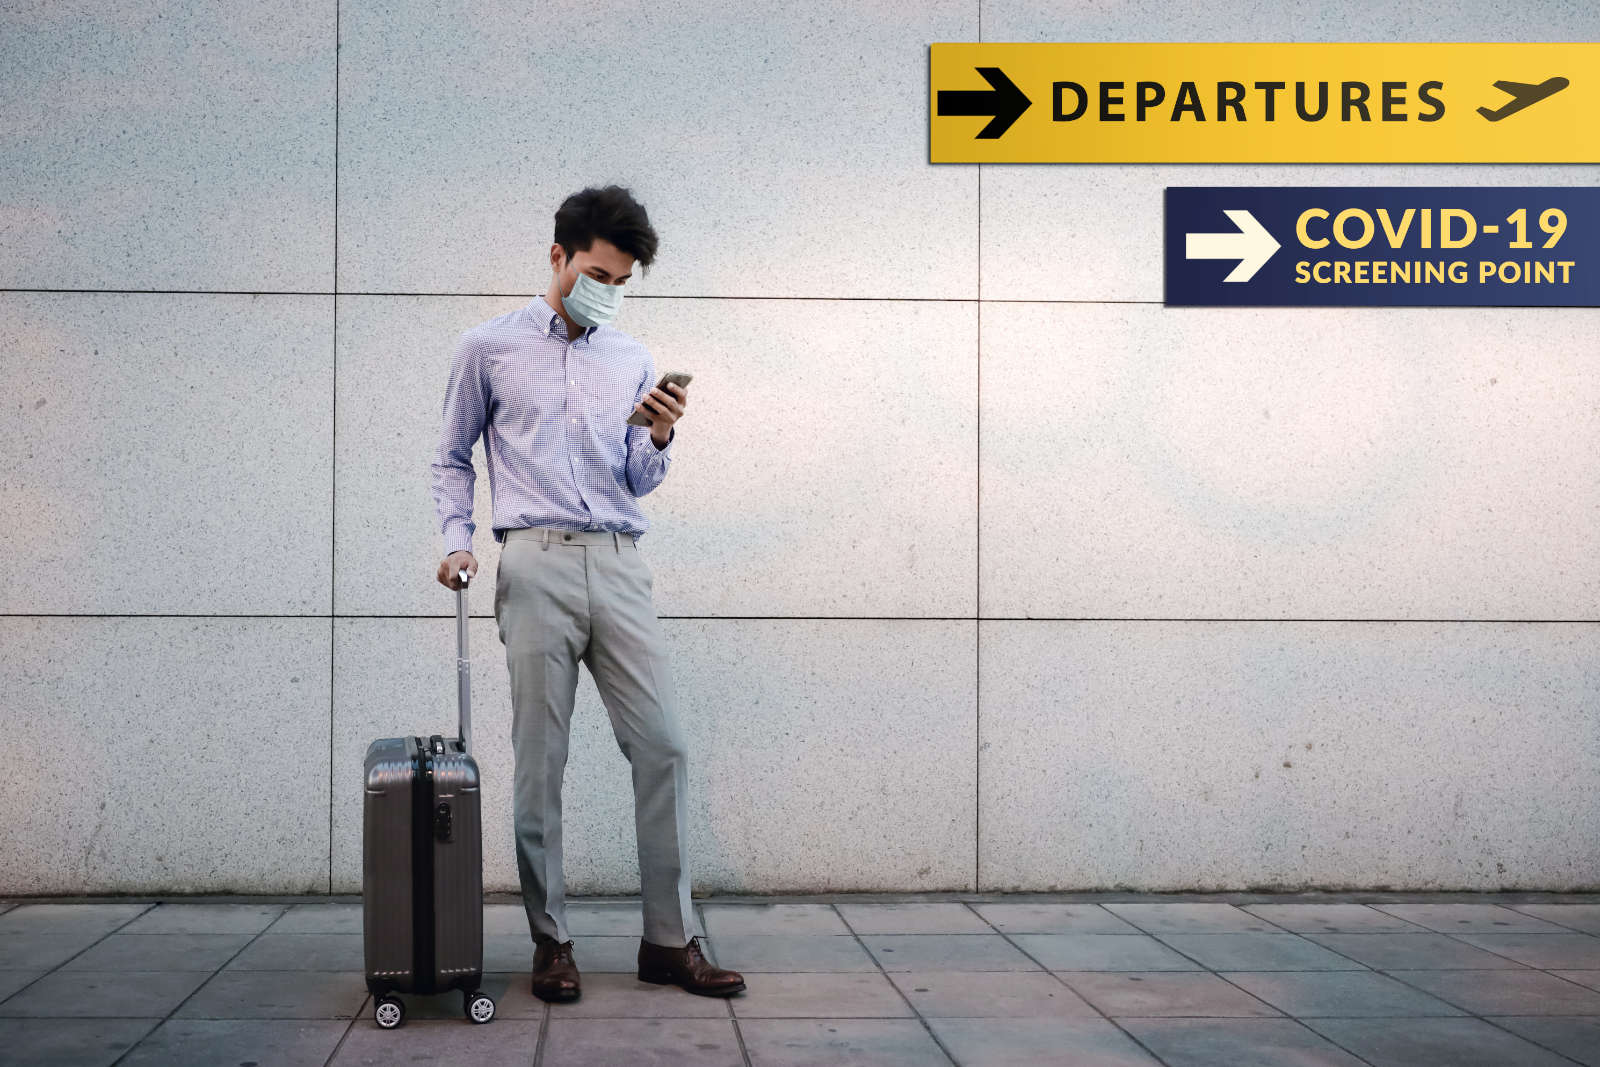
(555, 975)
(686, 967)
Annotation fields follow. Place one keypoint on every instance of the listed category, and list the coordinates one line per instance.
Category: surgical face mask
(592, 303)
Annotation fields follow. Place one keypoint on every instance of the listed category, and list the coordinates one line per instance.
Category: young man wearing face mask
(550, 387)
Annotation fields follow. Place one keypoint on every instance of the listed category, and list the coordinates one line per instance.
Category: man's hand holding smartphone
(663, 406)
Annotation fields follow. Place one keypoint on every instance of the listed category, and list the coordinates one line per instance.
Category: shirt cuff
(671, 435)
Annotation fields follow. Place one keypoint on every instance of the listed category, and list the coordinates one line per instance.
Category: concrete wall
(981, 569)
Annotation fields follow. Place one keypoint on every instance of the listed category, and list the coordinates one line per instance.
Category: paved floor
(1234, 980)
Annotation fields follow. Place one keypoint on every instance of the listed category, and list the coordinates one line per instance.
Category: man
(550, 386)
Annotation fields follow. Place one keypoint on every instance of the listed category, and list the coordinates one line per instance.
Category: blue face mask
(592, 303)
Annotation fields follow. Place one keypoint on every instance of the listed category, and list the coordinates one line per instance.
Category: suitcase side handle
(463, 665)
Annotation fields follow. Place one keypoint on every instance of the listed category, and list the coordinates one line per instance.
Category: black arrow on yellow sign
(1004, 104)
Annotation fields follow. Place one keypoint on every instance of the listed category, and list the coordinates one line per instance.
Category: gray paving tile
(605, 920)
(1330, 918)
(302, 952)
(76, 919)
(637, 1043)
(615, 920)
(616, 996)
(282, 1043)
(330, 918)
(514, 952)
(1524, 992)
(748, 953)
(1259, 952)
(42, 951)
(947, 952)
(1469, 918)
(589, 952)
(1189, 918)
(170, 918)
(231, 994)
(1053, 919)
(1583, 978)
(809, 995)
(1037, 1041)
(1152, 993)
(86, 1043)
(1461, 1042)
(1412, 951)
(11, 981)
(1237, 1043)
(990, 994)
(1574, 1036)
(1103, 952)
(1584, 917)
(934, 917)
(71, 994)
(1579, 952)
(512, 993)
(1342, 993)
(506, 920)
(159, 952)
(841, 1042)
(498, 1043)
(772, 919)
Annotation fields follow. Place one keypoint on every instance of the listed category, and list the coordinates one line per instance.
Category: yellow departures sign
(1264, 103)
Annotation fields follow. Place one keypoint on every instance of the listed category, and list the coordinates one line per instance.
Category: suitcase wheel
(478, 1006)
(389, 1012)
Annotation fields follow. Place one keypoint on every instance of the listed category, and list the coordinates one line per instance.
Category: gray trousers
(561, 596)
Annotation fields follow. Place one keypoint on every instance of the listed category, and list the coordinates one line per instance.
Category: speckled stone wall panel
(820, 546)
(827, 461)
(166, 453)
(167, 146)
(781, 150)
(164, 755)
(1270, 20)
(1206, 756)
(823, 754)
(1380, 463)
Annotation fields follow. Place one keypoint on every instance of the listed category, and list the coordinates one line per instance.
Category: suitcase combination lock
(441, 821)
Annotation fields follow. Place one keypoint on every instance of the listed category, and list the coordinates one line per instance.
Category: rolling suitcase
(422, 862)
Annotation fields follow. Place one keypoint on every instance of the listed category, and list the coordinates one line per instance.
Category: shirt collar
(546, 317)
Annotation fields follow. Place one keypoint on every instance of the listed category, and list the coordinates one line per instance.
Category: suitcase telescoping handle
(463, 665)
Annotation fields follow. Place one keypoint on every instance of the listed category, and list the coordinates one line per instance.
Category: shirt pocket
(609, 395)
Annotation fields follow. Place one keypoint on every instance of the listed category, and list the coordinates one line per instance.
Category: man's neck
(574, 331)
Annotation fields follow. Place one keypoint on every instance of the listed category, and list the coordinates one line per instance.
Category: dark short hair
(610, 212)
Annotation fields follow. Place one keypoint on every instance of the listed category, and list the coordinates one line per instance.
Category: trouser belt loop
(546, 539)
(616, 541)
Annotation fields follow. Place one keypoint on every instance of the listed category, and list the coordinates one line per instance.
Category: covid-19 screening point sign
(1381, 102)
(1382, 246)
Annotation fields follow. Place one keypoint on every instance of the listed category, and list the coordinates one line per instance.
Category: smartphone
(674, 377)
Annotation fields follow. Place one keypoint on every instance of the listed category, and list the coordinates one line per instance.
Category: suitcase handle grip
(463, 664)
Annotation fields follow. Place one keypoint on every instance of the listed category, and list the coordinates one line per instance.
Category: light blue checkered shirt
(553, 416)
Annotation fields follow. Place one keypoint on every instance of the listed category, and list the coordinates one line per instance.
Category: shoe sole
(558, 997)
(719, 991)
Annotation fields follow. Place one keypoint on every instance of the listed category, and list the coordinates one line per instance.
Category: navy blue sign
(1383, 246)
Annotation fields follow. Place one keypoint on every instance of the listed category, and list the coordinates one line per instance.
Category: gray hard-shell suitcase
(422, 862)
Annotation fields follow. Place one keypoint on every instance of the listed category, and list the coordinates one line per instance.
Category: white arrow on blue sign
(1250, 244)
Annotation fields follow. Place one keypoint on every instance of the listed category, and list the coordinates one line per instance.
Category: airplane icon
(1523, 94)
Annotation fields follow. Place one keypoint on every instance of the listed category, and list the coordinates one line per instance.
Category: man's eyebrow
(607, 273)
